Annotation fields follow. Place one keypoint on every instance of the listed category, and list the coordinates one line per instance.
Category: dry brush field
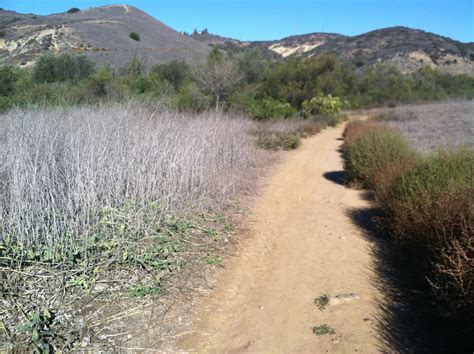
(117, 202)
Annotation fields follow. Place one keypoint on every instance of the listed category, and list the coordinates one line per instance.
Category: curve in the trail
(302, 245)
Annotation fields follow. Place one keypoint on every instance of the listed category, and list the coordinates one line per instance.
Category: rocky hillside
(101, 33)
(403, 47)
(406, 48)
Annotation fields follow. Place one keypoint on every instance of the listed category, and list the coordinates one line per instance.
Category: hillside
(103, 34)
(406, 48)
(100, 33)
(403, 47)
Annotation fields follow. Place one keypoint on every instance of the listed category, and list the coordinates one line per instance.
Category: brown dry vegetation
(426, 201)
(432, 126)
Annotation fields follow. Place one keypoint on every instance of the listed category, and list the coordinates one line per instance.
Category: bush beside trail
(427, 205)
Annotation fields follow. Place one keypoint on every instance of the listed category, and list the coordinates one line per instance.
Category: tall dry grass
(58, 166)
(427, 127)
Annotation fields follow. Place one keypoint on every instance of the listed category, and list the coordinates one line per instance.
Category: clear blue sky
(273, 19)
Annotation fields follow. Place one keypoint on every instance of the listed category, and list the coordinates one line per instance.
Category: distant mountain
(102, 33)
(406, 48)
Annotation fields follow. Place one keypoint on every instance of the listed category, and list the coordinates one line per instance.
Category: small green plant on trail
(143, 290)
(40, 329)
(212, 259)
(322, 301)
(323, 329)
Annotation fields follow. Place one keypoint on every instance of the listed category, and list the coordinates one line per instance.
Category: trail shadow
(338, 177)
(408, 320)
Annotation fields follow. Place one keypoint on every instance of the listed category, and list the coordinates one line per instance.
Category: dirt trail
(302, 245)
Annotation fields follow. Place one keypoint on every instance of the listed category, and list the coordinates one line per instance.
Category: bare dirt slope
(101, 33)
(302, 245)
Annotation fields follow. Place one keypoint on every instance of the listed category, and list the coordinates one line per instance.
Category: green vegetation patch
(323, 330)
(135, 36)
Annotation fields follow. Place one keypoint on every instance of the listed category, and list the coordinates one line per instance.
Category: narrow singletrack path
(302, 244)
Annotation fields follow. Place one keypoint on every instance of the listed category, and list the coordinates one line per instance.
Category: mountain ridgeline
(113, 35)
(405, 48)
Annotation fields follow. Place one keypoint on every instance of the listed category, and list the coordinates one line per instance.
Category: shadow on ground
(337, 177)
(408, 322)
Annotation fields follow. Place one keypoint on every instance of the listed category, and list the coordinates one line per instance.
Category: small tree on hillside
(217, 76)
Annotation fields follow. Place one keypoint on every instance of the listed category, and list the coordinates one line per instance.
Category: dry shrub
(285, 134)
(111, 202)
(427, 204)
(429, 127)
(431, 210)
(67, 162)
(355, 128)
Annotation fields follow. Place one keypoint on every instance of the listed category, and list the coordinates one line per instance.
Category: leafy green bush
(190, 98)
(373, 151)
(135, 36)
(64, 67)
(175, 72)
(418, 190)
(100, 82)
(269, 108)
(5, 103)
(8, 78)
(322, 105)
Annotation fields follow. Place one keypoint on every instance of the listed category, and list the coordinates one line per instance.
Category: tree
(64, 67)
(175, 72)
(217, 76)
(8, 78)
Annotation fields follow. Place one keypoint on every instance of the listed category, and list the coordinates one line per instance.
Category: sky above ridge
(275, 19)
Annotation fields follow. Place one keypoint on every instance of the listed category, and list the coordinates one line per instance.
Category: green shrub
(418, 190)
(5, 103)
(322, 105)
(374, 150)
(8, 78)
(175, 72)
(100, 83)
(427, 204)
(135, 36)
(269, 108)
(64, 67)
(431, 211)
(190, 98)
